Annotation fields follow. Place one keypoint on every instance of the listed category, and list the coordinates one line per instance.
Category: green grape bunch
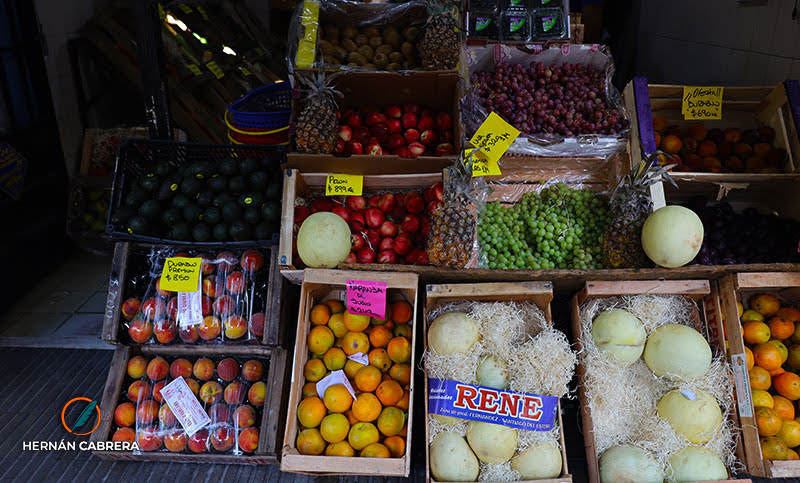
(557, 228)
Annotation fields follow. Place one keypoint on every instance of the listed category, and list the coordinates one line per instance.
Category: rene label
(181, 274)
(185, 406)
(366, 298)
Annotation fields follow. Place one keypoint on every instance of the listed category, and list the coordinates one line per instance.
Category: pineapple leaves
(645, 174)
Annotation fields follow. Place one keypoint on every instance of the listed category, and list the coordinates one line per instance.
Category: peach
(223, 305)
(162, 293)
(689, 145)
(125, 414)
(252, 370)
(673, 130)
(136, 367)
(252, 261)
(210, 392)
(742, 150)
(219, 413)
(753, 164)
(257, 393)
(140, 330)
(189, 334)
(244, 416)
(715, 135)
(659, 124)
(707, 149)
(130, 308)
(257, 323)
(248, 440)
(198, 442)
(671, 144)
(148, 439)
(226, 261)
(166, 417)
(209, 328)
(165, 330)
(766, 134)
(223, 437)
(139, 390)
(207, 266)
(733, 136)
(697, 131)
(157, 369)
(153, 309)
(692, 161)
(172, 308)
(146, 412)
(235, 327)
(735, 164)
(228, 369)
(234, 283)
(205, 305)
(194, 386)
(203, 369)
(761, 150)
(175, 440)
(211, 287)
(234, 393)
(711, 163)
(127, 435)
(180, 368)
(724, 149)
(157, 387)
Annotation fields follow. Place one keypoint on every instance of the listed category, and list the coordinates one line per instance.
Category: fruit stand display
(656, 399)
(241, 390)
(760, 314)
(353, 378)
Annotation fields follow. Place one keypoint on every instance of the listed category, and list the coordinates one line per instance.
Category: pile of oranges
(768, 328)
(374, 423)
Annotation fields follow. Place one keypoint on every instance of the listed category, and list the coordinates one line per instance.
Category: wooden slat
(116, 287)
(766, 280)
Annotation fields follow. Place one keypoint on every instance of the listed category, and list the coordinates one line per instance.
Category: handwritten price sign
(480, 165)
(701, 103)
(366, 298)
(181, 274)
(344, 184)
(495, 137)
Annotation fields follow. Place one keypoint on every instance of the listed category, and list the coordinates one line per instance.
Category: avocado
(180, 231)
(218, 183)
(262, 231)
(190, 186)
(220, 232)
(231, 212)
(273, 190)
(240, 231)
(229, 167)
(205, 198)
(258, 180)
(201, 232)
(250, 199)
(237, 184)
(150, 182)
(222, 199)
(199, 170)
(169, 187)
(163, 169)
(150, 209)
(172, 215)
(212, 215)
(270, 211)
(248, 165)
(192, 213)
(135, 198)
(180, 200)
(122, 215)
(138, 225)
(252, 215)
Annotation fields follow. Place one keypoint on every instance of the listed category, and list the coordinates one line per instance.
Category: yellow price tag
(344, 184)
(215, 69)
(701, 102)
(481, 166)
(181, 274)
(185, 8)
(195, 70)
(495, 137)
(202, 12)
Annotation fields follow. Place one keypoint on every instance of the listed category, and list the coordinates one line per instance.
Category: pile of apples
(386, 228)
(408, 132)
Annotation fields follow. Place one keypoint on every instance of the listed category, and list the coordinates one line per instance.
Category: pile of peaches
(716, 151)
(233, 296)
(231, 392)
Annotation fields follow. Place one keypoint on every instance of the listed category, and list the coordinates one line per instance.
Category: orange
(376, 322)
(354, 342)
(766, 304)
(792, 455)
(751, 314)
(351, 368)
(309, 390)
(762, 398)
(336, 324)
(402, 331)
(334, 359)
(788, 385)
(790, 433)
(367, 378)
(389, 392)
(404, 431)
(396, 445)
(739, 308)
(768, 356)
(337, 398)
(380, 336)
(399, 350)
(401, 312)
(354, 322)
(768, 421)
(789, 313)
(320, 314)
(755, 332)
(334, 428)
(401, 373)
(351, 418)
(362, 435)
(375, 450)
(404, 401)
(314, 370)
(380, 359)
(342, 448)
(782, 348)
(776, 372)
(366, 407)
(781, 328)
(750, 359)
(309, 441)
(391, 421)
(774, 449)
(759, 378)
(794, 357)
(320, 339)
(336, 306)
(310, 412)
(783, 407)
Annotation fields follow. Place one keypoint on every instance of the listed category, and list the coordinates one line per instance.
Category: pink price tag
(366, 298)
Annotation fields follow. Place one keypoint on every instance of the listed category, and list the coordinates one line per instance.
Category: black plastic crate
(138, 159)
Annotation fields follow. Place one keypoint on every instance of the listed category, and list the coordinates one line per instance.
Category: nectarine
(671, 144)
(743, 150)
(766, 134)
(252, 261)
(153, 309)
(125, 414)
(172, 308)
(136, 367)
(697, 131)
(162, 293)
(252, 370)
(257, 393)
(235, 327)
(205, 305)
(234, 393)
(198, 442)
(203, 368)
(689, 145)
(257, 323)
(188, 334)
(146, 412)
(735, 164)
(125, 434)
(223, 305)
(244, 416)
(234, 283)
(228, 369)
(148, 439)
(248, 440)
(209, 328)
(130, 308)
(716, 135)
(673, 130)
(711, 163)
(707, 149)
(180, 368)
(210, 392)
(207, 266)
(724, 149)
(157, 368)
(139, 391)
(175, 440)
(211, 286)
(157, 387)
(140, 330)
(165, 330)
(223, 437)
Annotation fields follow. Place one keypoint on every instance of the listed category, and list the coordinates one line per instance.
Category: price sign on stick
(366, 298)
(344, 184)
(181, 274)
(495, 137)
(701, 103)
(480, 165)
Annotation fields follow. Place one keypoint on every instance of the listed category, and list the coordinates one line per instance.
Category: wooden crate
(273, 331)
(739, 288)
(272, 418)
(694, 289)
(539, 293)
(307, 185)
(321, 285)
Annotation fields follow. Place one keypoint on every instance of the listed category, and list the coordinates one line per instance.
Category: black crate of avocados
(187, 193)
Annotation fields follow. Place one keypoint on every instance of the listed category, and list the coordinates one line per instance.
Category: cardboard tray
(272, 418)
(319, 285)
(739, 288)
(275, 310)
(697, 290)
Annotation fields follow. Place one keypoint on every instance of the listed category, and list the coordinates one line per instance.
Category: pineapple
(453, 223)
(630, 205)
(440, 44)
(317, 125)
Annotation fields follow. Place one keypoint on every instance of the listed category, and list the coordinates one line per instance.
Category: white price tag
(190, 309)
(741, 381)
(335, 377)
(185, 406)
(359, 357)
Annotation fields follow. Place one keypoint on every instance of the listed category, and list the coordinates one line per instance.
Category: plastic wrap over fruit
(230, 391)
(232, 298)
(562, 100)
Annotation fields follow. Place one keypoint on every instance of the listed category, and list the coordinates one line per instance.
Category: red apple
(415, 204)
(432, 206)
(387, 202)
(375, 217)
(428, 137)
(357, 241)
(374, 117)
(300, 214)
(386, 244)
(403, 152)
(444, 121)
(414, 255)
(425, 123)
(446, 136)
(130, 308)
(357, 218)
(438, 191)
(409, 120)
(426, 228)
(411, 135)
(388, 229)
(380, 132)
(252, 261)
(393, 111)
(355, 203)
(358, 148)
(411, 108)
(388, 256)
(416, 148)
(198, 442)
(345, 133)
(361, 135)
(395, 141)
(373, 201)
(351, 258)
(444, 149)
(411, 223)
(422, 259)
(373, 238)
(338, 147)
(343, 212)
(402, 244)
(375, 149)
(366, 255)
(394, 126)
(353, 120)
